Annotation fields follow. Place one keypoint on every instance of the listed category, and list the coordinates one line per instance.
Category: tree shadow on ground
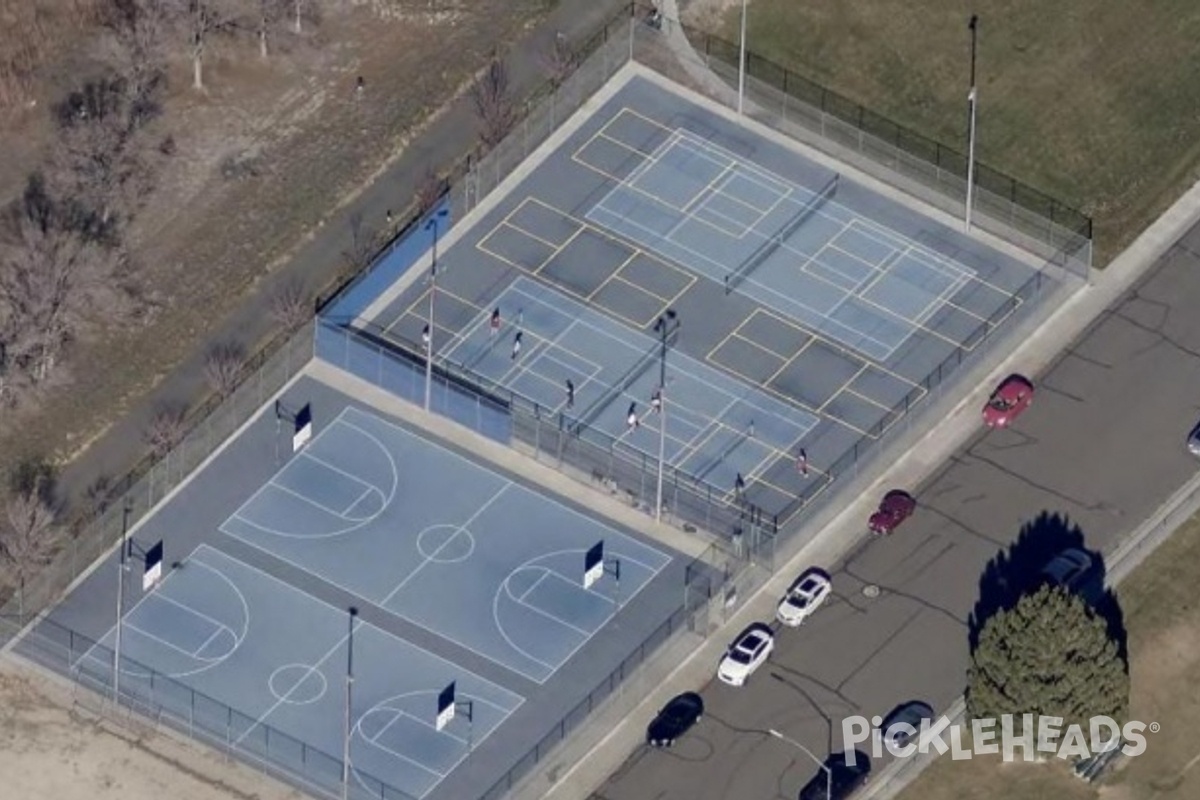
(1018, 570)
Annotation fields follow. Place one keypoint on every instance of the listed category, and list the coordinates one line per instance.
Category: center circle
(445, 544)
(297, 684)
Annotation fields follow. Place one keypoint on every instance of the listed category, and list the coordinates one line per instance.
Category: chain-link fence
(885, 149)
(201, 433)
(389, 361)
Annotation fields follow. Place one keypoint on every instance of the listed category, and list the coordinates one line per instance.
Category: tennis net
(773, 243)
(734, 444)
(616, 390)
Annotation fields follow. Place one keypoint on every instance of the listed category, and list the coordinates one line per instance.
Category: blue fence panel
(393, 263)
(405, 378)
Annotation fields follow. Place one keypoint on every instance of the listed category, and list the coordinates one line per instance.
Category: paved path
(446, 139)
(1101, 449)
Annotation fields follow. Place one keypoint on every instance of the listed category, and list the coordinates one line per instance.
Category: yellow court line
(508, 221)
(840, 348)
(788, 363)
(636, 286)
(687, 274)
(691, 281)
(558, 250)
(500, 257)
(749, 339)
(753, 343)
(867, 400)
(844, 387)
(612, 275)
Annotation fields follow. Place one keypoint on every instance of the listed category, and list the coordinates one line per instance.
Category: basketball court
(482, 604)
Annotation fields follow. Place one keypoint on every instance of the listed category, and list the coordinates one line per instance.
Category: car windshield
(798, 600)
(1000, 404)
(750, 643)
(740, 656)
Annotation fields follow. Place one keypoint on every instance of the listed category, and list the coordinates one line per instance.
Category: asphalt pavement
(1100, 449)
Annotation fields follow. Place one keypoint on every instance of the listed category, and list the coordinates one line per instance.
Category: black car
(845, 778)
(674, 719)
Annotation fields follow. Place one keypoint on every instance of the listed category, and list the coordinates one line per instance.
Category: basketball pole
(349, 695)
(120, 604)
(431, 224)
(972, 102)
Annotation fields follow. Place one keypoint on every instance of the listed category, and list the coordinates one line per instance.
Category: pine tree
(1050, 654)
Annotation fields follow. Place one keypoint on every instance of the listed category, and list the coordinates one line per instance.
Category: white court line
(784, 297)
(533, 586)
(374, 742)
(305, 498)
(357, 523)
(359, 499)
(553, 618)
(130, 626)
(308, 454)
(158, 593)
(429, 559)
(208, 641)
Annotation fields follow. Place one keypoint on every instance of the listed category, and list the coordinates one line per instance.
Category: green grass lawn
(1162, 617)
(1096, 103)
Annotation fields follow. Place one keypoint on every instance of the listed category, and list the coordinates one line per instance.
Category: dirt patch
(49, 749)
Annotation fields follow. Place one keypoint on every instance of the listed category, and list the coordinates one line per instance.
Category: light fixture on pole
(972, 102)
(742, 62)
(121, 567)
(824, 767)
(665, 327)
(431, 225)
(346, 729)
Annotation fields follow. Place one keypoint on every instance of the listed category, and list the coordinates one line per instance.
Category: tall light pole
(824, 767)
(346, 729)
(666, 325)
(121, 567)
(742, 62)
(431, 225)
(972, 102)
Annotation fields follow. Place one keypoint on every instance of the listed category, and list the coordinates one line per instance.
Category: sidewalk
(447, 138)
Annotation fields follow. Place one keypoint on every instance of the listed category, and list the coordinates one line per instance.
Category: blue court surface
(459, 574)
(717, 426)
(807, 302)
(214, 625)
(444, 543)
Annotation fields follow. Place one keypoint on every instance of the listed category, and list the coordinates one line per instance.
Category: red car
(895, 507)
(1011, 398)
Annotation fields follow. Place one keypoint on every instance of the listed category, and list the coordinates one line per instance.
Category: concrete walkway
(445, 141)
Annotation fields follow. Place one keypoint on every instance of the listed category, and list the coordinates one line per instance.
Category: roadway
(1099, 450)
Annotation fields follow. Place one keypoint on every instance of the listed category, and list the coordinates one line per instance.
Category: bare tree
(290, 306)
(166, 427)
(201, 21)
(493, 101)
(223, 366)
(269, 15)
(28, 533)
(430, 191)
(102, 159)
(362, 245)
(558, 60)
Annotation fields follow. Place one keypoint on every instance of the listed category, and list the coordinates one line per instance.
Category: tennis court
(818, 303)
(797, 250)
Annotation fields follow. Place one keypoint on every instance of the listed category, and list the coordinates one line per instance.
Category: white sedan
(805, 596)
(748, 652)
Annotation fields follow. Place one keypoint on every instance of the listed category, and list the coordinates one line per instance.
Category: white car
(748, 652)
(805, 596)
